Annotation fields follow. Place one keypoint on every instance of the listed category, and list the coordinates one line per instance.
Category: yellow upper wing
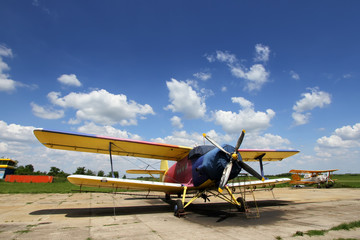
(100, 144)
(269, 155)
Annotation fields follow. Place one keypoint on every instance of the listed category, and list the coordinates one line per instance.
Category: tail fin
(163, 166)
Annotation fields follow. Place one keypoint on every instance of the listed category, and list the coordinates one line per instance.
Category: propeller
(233, 157)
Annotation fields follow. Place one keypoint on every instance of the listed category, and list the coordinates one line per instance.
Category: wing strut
(111, 162)
(261, 164)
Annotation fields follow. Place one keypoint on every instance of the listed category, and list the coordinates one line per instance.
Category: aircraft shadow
(201, 213)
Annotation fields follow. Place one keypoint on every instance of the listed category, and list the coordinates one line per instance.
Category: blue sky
(167, 71)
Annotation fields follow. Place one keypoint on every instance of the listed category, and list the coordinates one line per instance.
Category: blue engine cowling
(211, 166)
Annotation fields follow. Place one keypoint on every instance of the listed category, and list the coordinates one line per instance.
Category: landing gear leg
(167, 197)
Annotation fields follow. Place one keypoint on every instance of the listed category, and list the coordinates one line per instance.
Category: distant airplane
(318, 177)
(203, 170)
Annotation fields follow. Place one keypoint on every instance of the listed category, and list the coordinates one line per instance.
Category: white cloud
(247, 118)
(69, 79)
(176, 122)
(309, 101)
(5, 51)
(184, 99)
(262, 53)
(226, 57)
(342, 145)
(294, 75)
(202, 76)
(223, 89)
(266, 141)
(46, 113)
(3, 147)
(102, 107)
(184, 138)
(344, 137)
(244, 103)
(301, 118)
(92, 128)
(256, 76)
(15, 132)
(6, 84)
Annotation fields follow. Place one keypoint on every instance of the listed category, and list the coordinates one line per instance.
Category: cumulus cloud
(46, 113)
(176, 122)
(202, 76)
(247, 118)
(310, 100)
(184, 99)
(262, 53)
(184, 138)
(6, 84)
(255, 76)
(343, 144)
(102, 107)
(344, 137)
(69, 79)
(266, 141)
(15, 132)
(92, 128)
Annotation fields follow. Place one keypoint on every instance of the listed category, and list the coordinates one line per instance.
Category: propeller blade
(251, 170)
(240, 140)
(225, 176)
(215, 144)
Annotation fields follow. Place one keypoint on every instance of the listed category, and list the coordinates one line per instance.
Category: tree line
(57, 172)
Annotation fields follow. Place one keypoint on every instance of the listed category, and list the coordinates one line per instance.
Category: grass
(343, 226)
(56, 187)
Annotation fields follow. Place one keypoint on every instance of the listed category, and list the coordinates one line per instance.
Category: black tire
(241, 208)
(179, 208)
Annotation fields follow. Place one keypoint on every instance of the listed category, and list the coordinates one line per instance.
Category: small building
(7, 167)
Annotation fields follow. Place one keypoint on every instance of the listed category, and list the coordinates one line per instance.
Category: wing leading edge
(107, 182)
(100, 144)
(268, 155)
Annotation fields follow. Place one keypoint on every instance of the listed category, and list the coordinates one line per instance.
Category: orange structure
(28, 179)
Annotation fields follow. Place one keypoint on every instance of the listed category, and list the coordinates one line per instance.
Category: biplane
(311, 177)
(202, 171)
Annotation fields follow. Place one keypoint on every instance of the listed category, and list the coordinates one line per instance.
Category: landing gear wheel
(179, 209)
(241, 208)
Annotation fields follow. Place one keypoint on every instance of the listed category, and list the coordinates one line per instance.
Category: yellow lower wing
(107, 182)
(268, 182)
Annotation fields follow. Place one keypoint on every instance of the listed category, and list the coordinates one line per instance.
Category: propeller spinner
(233, 157)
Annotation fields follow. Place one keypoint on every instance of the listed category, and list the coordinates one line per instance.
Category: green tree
(116, 174)
(54, 171)
(101, 173)
(89, 172)
(80, 170)
(29, 168)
